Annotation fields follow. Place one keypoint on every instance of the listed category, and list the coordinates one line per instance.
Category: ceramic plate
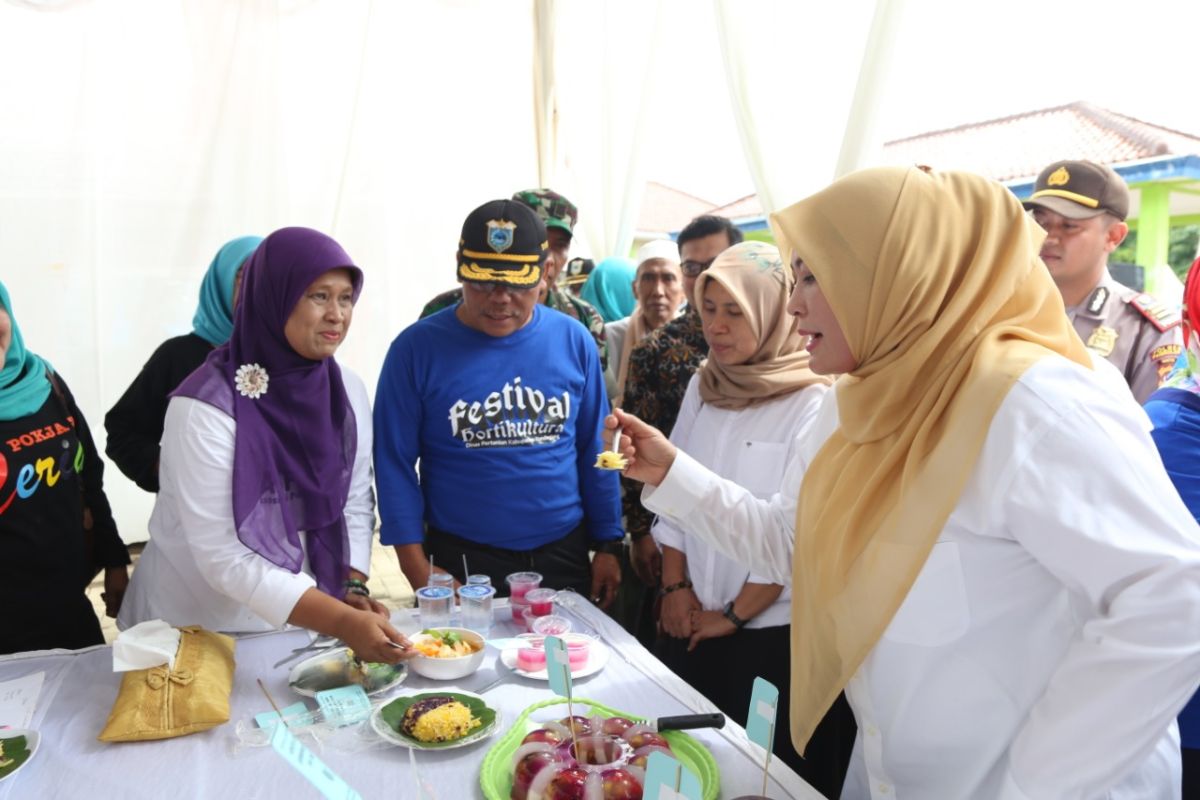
(19, 748)
(485, 731)
(598, 654)
(334, 668)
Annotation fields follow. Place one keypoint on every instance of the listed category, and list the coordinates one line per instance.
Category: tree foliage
(1181, 249)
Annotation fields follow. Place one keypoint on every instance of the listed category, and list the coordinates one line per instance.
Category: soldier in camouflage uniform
(560, 215)
(1082, 206)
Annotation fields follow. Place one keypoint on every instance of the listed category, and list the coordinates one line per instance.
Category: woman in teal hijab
(135, 423)
(610, 288)
(213, 321)
(24, 383)
(56, 526)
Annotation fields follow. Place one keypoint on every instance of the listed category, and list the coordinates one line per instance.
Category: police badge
(1103, 340)
(500, 234)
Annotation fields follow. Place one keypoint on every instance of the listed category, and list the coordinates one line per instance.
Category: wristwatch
(613, 547)
(737, 621)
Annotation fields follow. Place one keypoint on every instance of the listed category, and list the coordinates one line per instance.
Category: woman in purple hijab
(265, 511)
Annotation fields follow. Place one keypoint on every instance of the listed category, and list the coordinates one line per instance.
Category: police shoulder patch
(1159, 314)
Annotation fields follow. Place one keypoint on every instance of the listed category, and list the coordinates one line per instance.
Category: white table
(80, 687)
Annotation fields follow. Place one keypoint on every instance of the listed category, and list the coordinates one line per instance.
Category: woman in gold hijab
(985, 551)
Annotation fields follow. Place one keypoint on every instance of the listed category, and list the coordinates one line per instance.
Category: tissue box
(161, 703)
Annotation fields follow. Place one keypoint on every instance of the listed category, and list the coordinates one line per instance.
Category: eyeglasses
(694, 268)
(487, 287)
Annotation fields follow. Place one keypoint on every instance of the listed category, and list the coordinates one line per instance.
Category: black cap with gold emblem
(1080, 190)
(503, 241)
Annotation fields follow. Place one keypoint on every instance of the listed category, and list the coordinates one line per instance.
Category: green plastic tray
(495, 776)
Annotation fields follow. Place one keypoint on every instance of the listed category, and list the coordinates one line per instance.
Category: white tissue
(147, 644)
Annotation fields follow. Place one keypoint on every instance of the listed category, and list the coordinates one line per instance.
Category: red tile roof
(747, 206)
(1018, 146)
(665, 209)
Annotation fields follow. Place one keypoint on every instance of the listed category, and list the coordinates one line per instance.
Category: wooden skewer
(271, 700)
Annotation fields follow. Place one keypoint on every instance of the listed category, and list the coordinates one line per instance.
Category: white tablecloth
(80, 687)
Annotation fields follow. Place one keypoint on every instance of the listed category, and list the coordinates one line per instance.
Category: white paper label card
(760, 724)
(18, 700)
(328, 783)
(344, 705)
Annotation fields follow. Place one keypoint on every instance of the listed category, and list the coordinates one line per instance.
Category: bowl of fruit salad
(446, 654)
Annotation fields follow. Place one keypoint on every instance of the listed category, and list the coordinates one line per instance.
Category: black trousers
(1191, 772)
(724, 669)
(66, 620)
(636, 607)
(564, 563)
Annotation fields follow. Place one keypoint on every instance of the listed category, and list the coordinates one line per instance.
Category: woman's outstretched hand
(648, 453)
(374, 639)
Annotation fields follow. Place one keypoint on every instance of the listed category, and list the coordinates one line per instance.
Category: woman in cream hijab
(985, 552)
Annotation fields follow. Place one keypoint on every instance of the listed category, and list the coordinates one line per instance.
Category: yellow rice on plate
(443, 722)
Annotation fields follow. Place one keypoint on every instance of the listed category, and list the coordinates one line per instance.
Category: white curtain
(140, 135)
(792, 70)
(606, 95)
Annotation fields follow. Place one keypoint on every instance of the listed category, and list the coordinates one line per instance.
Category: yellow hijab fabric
(755, 276)
(936, 282)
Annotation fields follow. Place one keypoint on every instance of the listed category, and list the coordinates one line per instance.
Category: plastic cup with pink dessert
(550, 625)
(531, 656)
(541, 601)
(521, 583)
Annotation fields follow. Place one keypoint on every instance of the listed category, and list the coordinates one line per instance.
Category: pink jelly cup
(520, 583)
(579, 648)
(531, 659)
(519, 607)
(550, 625)
(541, 601)
(528, 618)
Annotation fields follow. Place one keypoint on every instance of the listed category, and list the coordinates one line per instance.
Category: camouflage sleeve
(443, 300)
(596, 327)
(1154, 360)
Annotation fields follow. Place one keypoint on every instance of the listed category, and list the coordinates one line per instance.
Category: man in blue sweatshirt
(500, 400)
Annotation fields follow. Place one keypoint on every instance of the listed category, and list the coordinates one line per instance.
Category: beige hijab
(936, 282)
(756, 278)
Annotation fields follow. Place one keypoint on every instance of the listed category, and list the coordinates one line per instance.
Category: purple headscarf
(295, 443)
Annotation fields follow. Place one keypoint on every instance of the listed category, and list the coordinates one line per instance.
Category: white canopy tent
(139, 135)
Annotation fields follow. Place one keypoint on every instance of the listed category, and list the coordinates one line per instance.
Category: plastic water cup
(476, 602)
(441, 579)
(435, 603)
(481, 580)
(520, 583)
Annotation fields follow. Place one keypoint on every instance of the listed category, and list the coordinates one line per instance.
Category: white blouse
(1051, 637)
(195, 570)
(751, 447)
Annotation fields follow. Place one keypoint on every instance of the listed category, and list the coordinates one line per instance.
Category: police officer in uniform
(1082, 206)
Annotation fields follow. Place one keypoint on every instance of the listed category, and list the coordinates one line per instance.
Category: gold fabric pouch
(158, 703)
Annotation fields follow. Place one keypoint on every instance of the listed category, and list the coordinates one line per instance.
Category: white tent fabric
(792, 82)
(140, 135)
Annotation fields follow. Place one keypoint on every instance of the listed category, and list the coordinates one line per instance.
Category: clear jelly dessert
(605, 759)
